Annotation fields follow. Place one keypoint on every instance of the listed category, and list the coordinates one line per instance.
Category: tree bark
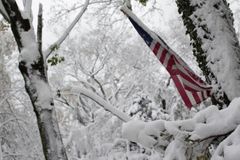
(212, 53)
(33, 69)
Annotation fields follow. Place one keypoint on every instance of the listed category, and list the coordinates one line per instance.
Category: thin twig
(66, 33)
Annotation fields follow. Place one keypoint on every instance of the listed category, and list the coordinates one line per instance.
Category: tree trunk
(215, 45)
(33, 68)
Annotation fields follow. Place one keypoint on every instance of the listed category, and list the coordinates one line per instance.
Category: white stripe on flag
(189, 94)
(159, 52)
(153, 44)
(191, 88)
(205, 94)
(191, 85)
(191, 98)
(200, 96)
(186, 73)
(165, 62)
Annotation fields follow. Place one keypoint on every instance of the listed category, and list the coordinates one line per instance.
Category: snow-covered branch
(208, 123)
(99, 100)
(66, 33)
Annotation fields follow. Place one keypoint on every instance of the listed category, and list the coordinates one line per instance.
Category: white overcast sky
(168, 7)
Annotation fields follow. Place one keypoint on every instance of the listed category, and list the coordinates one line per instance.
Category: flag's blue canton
(147, 38)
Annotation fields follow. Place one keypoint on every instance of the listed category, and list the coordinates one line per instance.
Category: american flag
(191, 88)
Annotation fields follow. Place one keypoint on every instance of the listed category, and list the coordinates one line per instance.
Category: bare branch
(39, 29)
(66, 33)
(101, 65)
(100, 86)
(95, 61)
(76, 7)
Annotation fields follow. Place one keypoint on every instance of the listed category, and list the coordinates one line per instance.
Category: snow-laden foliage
(174, 135)
(107, 69)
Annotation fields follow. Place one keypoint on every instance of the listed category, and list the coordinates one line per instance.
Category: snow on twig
(66, 33)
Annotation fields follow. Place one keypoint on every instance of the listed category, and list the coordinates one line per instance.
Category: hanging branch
(99, 100)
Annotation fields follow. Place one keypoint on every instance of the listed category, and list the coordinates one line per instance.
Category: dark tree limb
(39, 29)
(15, 19)
(55, 45)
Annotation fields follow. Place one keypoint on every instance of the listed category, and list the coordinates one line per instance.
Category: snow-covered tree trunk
(33, 68)
(209, 24)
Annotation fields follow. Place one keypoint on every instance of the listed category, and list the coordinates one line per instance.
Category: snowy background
(105, 57)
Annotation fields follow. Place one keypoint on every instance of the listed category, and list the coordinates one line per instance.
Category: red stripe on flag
(190, 88)
(181, 91)
(196, 97)
(156, 48)
(194, 90)
(170, 63)
(184, 78)
(163, 55)
(188, 78)
(193, 75)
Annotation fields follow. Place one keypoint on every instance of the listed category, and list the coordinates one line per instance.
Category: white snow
(44, 94)
(29, 52)
(223, 59)
(178, 148)
(229, 149)
(205, 124)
